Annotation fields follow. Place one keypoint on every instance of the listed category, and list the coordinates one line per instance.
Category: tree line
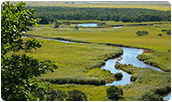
(50, 14)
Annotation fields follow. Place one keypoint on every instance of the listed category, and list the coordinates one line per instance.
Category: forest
(51, 14)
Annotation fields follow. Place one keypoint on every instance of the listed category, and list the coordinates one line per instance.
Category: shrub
(151, 97)
(76, 27)
(118, 75)
(159, 34)
(76, 95)
(57, 24)
(163, 30)
(59, 95)
(114, 92)
(168, 32)
(140, 33)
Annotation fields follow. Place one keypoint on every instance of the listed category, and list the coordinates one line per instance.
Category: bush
(168, 32)
(159, 34)
(57, 24)
(140, 33)
(76, 27)
(59, 95)
(151, 97)
(76, 95)
(118, 75)
(114, 92)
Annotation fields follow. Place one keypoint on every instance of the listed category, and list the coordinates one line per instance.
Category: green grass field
(82, 61)
(80, 64)
(76, 60)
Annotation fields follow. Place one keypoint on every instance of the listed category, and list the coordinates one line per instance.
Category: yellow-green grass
(165, 6)
(156, 7)
(125, 36)
(77, 61)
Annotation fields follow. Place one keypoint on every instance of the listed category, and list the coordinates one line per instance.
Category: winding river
(129, 57)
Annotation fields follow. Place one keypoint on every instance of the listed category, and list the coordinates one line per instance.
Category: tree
(76, 27)
(168, 32)
(44, 20)
(114, 92)
(56, 24)
(140, 33)
(118, 76)
(17, 71)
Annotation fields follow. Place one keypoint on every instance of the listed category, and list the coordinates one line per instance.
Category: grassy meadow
(77, 61)
(82, 62)
(125, 36)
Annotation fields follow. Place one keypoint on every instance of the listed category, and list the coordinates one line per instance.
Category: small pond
(88, 25)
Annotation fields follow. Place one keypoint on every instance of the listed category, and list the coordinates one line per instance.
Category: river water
(129, 57)
(88, 25)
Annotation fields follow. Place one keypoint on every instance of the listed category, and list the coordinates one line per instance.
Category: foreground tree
(17, 71)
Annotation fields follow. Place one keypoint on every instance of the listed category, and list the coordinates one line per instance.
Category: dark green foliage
(39, 94)
(114, 92)
(62, 96)
(103, 14)
(159, 34)
(74, 81)
(140, 33)
(118, 75)
(164, 30)
(76, 95)
(44, 20)
(52, 95)
(168, 32)
(17, 71)
(76, 27)
(151, 97)
(66, 22)
(56, 24)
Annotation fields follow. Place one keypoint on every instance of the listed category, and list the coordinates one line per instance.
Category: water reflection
(129, 57)
(88, 25)
(110, 66)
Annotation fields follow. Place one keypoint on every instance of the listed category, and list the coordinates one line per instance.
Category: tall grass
(76, 60)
